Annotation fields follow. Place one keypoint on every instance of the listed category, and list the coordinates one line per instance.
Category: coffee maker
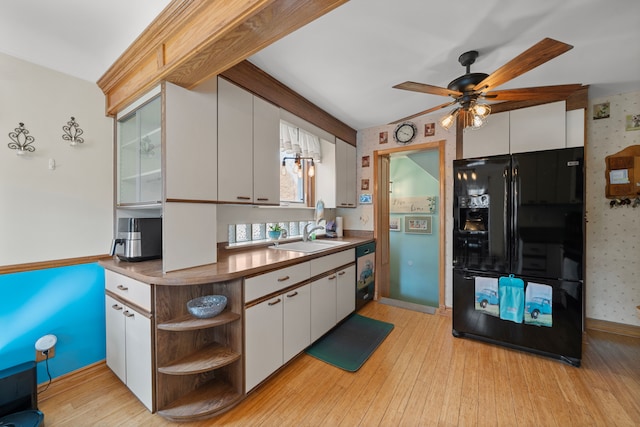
(138, 239)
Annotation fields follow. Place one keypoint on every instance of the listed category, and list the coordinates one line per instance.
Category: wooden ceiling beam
(194, 40)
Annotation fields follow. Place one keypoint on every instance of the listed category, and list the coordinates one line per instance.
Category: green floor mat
(351, 343)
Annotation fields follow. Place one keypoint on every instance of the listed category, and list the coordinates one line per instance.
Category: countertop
(232, 264)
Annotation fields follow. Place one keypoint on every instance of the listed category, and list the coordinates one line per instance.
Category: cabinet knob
(123, 288)
(128, 313)
(275, 302)
(283, 279)
(116, 307)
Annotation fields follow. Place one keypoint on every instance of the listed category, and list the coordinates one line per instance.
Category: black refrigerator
(518, 251)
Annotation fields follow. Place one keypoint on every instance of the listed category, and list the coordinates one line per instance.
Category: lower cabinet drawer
(267, 283)
(331, 262)
(132, 290)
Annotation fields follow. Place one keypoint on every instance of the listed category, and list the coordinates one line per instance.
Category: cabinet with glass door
(139, 152)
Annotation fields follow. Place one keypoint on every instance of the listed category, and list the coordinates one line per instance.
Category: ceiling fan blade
(430, 110)
(538, 54)
(425, 88)
(532, 93)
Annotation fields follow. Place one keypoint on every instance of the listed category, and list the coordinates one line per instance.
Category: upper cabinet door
(345, 174)
(140, 152)
(538, 128)
(191, 142)
(235, 143)
(266, 153)
(491, 139)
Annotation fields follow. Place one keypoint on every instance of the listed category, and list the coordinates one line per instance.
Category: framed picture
(365, 199)
(633, 122)
(601, 111)
(364, 184)
(417, 224)
(429, 129)
(365, 161)
(383, 138)
(395, 224)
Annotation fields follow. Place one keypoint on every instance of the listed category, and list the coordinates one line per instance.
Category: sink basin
(310, 246)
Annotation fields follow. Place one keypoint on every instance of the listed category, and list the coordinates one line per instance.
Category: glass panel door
(139, 155)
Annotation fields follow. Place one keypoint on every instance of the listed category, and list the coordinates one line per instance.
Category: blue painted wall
(67, 302)
(414, 267)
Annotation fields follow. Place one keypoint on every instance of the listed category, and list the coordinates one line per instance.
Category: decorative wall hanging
(21, 140)
(601, 111)
(425, 204)
(383, 138)
(633, 122)
(417, 224)
(72, 132)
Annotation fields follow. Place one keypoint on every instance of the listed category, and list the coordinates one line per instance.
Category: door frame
(381, 216)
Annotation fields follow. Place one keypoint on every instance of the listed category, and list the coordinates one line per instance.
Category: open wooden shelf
(202, 402)
(190, 323)
(206, 359)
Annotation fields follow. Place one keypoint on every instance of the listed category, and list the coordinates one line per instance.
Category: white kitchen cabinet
(296, 322)
(345, 292)
(575, 127)
(542, 127)
(345, 162)
(128, 334)
(323, 305)
(248, 153)
(139, 156)
(263, 340)
(266, 152)
(191, 142)
(491, 139)
(326, 174)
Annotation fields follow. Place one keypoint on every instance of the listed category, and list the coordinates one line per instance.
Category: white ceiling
(347, 61)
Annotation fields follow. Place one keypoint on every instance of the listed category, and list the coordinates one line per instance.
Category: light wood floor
(419, 376)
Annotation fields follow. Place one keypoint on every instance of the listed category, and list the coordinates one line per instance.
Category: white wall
(361, 218)
(613, 234)
(53, 214)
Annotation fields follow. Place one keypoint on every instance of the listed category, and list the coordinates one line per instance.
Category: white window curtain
(294, 141)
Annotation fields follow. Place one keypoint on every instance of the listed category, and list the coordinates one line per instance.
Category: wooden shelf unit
(629, 160)
(199, 361)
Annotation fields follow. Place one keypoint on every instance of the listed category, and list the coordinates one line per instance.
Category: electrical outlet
(40, 355)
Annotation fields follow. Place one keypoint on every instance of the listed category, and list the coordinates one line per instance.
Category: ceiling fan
(470, 88)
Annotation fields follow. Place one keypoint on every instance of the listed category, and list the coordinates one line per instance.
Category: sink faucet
(306, 231)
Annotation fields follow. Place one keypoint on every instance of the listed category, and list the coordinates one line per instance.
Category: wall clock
(405, 132)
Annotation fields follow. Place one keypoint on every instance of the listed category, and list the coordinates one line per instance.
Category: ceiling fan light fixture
(447, 121)
(482, 110)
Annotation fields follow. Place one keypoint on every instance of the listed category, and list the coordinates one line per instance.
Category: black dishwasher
(365, 274)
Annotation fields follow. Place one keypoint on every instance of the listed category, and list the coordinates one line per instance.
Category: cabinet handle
(263, 199)
(123, 288)
(243, 198)
(116, 307)
(366, 251)
(275, 302)
(283, 279)
(342, 273)
(331, 277)
(128, 313)
(292, 295)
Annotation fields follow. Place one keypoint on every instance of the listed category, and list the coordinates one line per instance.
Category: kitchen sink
(310, 246)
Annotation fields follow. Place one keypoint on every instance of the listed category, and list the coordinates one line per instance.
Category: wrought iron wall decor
(21, 140)
(72, 132)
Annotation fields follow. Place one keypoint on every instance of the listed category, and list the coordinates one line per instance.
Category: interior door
(381, 229)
